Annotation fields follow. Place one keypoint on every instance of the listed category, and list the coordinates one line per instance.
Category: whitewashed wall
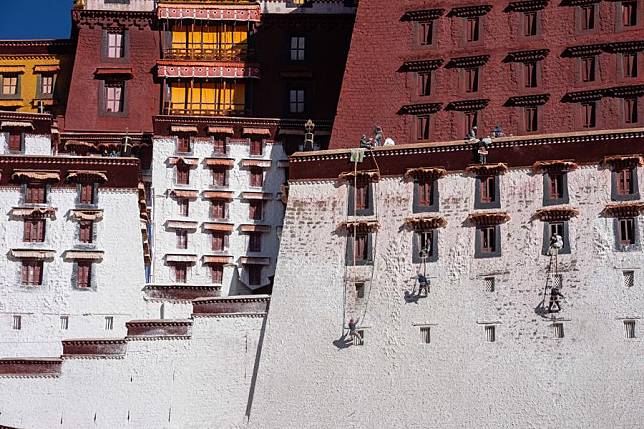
(131, 5)
(593, 377)
(34, 144)
(165, 208)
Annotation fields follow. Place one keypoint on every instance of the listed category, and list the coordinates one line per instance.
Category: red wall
(143, 92)
(374, 89)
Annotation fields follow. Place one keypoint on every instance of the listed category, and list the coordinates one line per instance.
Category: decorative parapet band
(487, 169)
(423, 223)
(488, 218)
(366, 176)
(90, 347)
(30, 367)
(554, 166)
(206, 12)
(430, 172)
(556, 214)
(231, 305)
(631, 209)
(159, 328)
(181, 292)
(170, 69)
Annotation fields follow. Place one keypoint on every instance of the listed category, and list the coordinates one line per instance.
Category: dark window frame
(368, 210)
(18, 94)
(368, 260)
(614, 181)
(479, 252)
(550, 200)
(565, 235)
(102, 97)
(435, 200)
(496, 202)
(416, 246)
(620, 246)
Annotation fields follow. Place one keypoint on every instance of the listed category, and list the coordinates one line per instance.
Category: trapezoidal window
(471, 79)
(425, 33)
(472, 29)
(86, 231)
(217, 273)
(530, 23)
(587, 17)
(589, 114)
(36, 193)
(424, 83)
(531, 118)
(631, 114)
(530, 74)
(218, 209)
(34, 230)
(422, 127)
(588, 69)
(83, 274)
(629, 13)
(629, 64)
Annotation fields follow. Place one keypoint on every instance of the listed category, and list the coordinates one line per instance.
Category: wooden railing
(204, 109)
(245, 2)
(209, 52)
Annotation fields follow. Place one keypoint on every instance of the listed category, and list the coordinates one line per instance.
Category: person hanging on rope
(423, 285)
(353, 333)
(556, 244)
(555, 294)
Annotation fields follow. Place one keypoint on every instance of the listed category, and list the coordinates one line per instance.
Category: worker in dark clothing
(353, 334)
(555, 294)
(423, 285)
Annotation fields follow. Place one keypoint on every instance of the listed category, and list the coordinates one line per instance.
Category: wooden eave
(184, 193)
(470, 11)
(528, 56)
(421, 65)
(430, 172)
(488, 218)
(630, 46)
(554, 166)
(527, 5)
(360, 225)
(584, 50)
(419, 109)
(36, 175)
(626, 91)
(468, 105)
(422, 15)
(423, 222)
(33, 212)
(360, 175)
(624, 161)
(487, 169)
(629, 209)
(471, 61)
(185, 161)
(582, 96)
(556, 214)
(528, 100)
(87, 176)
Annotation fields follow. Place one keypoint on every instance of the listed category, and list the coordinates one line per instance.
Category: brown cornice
(113, 19)
(527, 56)
(471, 61)
(360, 176)
(578, 2)
(181, 292)
(257, 305)
(30, 367)
(419, 109)
(551, 214)
(630, 209)
(488, 218)
(421, 65)
(94, 348)
(159, 328)
(422, 15)
(470, 11)
(528, 100)
(361, 225)
(468, 105)
(53, 47)
(526, 5)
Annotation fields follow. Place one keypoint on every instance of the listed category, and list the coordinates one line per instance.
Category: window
(530, 76)
(254, 275)
(31, 272)
(556, 228)
(115, 45)
(182, 239)
(630, 111)
(180, 273)
(256, 177)
(556, 182)
(183, 175)
(425, 33)
(487, 237)
(470, 120)
(624, 181)
(425, 242)
(530, 23)
(46, 84)
(558, 330)
(424, 84)
(83, 274)
(422, 127)
(589, 114)
(218, 209)
(218, 241)
(217, 273)
(15, 141)
(114, 96)
(629, 328)
(34, 231)
(489, 283)
(255, 209)
(490, 333)
(17, 323)
(361, 247)
(488, 189)
(219, 176)
(362, 196)
(296, 101)
(531, 119)
(35, 193)
(629, 278)
(359, 290)
(219, 147)
(588, 69)
(626, 231)
(425, 192)
(86, 193)
(298, 44)
(471, 79)
(9, 85)
(425, 337)
(184, 205)
(256, 147)
(255, 242)
(587, 13)
(109, 323)
(629, 64)
(64, 323)
(86, 230)
(183, 144)
(629, 13)
(472, 28)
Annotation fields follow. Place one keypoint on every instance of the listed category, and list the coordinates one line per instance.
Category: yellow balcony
(238, 53)
(218, 2)
(204, 109)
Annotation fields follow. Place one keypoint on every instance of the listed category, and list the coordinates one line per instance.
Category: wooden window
(114, 91)
(426, 241)
(472, 29)
(362, 195)
(85, 231)
(10, 85)
(424, 84)
(184, 206)
(86, 193)
(109, 323)
(488, 239)
(47, 84)
(361, 246)
(218, 209)
(115, 45)
(626, 232)
(218, 241)
(489, 284)
(629, 328)
(425, 334)
(255, 242)
(182, 239)
(629, 13)
(34, 230)
(471, 79)
(530, 23)
(183, 175)
(217, 273)
(31, 272)
(470, 120)
(556, 182)
(219, 176)
(490, 333)
(629, 278)
(422, 127)
(298, 45)
(531, 118)
(589, 114)
(296, 100)
(17, 323)
(256, 147)
(219, 146)
(425, 33)
(630, 110)
(587, 17)
(488, 189)
(588, 69)
(183, 143)
(15, 141)
(558, 330)
(256, 177)
(254, 275)
(180, 272)
(425, 192)
(624, 180)
(35, 194)
(629, 64)
(83, 274)
(255, 210)
(556, 228)
(530, 77)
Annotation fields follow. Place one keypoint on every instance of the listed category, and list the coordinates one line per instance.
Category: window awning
(218, 227)
(255, 228)
(93, 215)
(257, 163)
(38, 212)
(256, 132)
(211, 259)
(217, 195)
(113, 71)
(184, 129)
(192, 162)
(87, 176)
(488, 218)
(16, 124)
(256, 196)
(12, 69)
(32, 254)
(248, 260)
(556, 213)
(433, 172)
(487, 169)
(178, 193)
(287, 132)
(39, 175)
(371, 176)
(554, 166)
(91, 255)
(191, 259)
(630, 209)
(181, 224)
(46, 68)
(220, 162)
(221, 130)
(426, 222)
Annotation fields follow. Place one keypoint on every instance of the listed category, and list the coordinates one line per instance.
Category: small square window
(85, 231)
(34, 230)
(358, 339)
(489, 284)
(109, 323)
(425, 334)
(256, 147)
(183, 175)
(31, 272)
(9, 85)
(15, 141)
(359, 290)
(36, 194)
(47, 84)
(218, 209)
(296, 101)
(17, 323)
(256, 177)
(490, 333)
(558, 330)
(64, 323)
(218, 242)
(629, 278)
(183, 144)
(629, 328)
(219, 176)
(180, 273)
(297, 48)
(219, 147)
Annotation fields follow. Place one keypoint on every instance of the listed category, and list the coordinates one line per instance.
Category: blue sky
(35, 19)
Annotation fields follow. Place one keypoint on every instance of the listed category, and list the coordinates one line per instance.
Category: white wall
(133, 5)
(34, 144)
(591, 378)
